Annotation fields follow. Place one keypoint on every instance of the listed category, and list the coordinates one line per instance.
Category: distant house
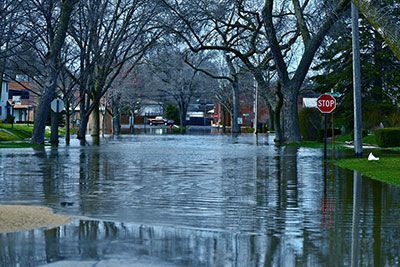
(4, 105)
(22, 100)
(150, 108)
(199, 114)
(246, 113)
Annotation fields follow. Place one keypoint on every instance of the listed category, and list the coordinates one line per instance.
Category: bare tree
(232, 76)
(247, 31)
(56, 28)
(176, 79)
(274, 16)
(10, 31)
(124, 95)
(235, 29)
(109, 34)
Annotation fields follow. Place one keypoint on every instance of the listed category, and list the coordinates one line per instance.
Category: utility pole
(356, 82)
(255, 107)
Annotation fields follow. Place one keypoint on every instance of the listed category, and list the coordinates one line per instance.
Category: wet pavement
(197, 200)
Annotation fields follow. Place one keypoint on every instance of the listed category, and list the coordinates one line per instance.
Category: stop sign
(326, 103)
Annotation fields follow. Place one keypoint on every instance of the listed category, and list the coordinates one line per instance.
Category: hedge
(309, 122)
(388, 137)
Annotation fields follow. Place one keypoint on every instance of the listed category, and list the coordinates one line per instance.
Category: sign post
(57, 106)
(326, 103)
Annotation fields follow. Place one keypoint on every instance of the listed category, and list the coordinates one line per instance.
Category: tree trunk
(235, 108)
(182, 118)
(54, 129)
(83, 128)
(290, 115)
(103, 122)
(116, 120)
(67, 126)
(95, 125)
(224, 119)
(277, 116)
(182, 115)
(377, 81)
(42, 111)
(51, 70)
(271, 118)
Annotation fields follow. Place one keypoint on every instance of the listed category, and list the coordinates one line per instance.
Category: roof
(20, 86)
(16, 106)
(309, 102)
(26, 104)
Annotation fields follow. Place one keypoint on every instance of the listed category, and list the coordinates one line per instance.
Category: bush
(172, 113)
(388, 137)
(329, 133)
(248, 130)
(309, 122)
(10, 119)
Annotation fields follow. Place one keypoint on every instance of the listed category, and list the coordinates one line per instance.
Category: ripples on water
(198, 200)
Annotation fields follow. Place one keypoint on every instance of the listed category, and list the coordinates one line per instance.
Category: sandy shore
(15, 218)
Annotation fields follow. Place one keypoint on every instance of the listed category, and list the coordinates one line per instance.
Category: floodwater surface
(198, 200)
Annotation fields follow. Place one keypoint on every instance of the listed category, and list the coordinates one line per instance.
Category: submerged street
(197, 200)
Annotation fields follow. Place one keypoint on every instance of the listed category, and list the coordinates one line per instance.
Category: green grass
(370, 139)
(386, 169)
(16, 133)
(339, 142)
(17, 145)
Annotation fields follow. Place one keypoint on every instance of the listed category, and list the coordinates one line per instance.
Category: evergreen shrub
(388, 137)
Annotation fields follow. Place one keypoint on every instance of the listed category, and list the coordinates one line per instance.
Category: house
(146, 109)
(150, 108)
(199, 113)
(23, 99)
(246, 113)
(5, 108)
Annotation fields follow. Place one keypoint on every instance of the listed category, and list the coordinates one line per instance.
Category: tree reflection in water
(234, 202)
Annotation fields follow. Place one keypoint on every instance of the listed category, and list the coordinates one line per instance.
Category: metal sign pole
(333, 136)
(325, 133)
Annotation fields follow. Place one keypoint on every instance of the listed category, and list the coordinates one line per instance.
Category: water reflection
(199, 201)
(355, 228)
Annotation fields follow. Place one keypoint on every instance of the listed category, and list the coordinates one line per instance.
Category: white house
(4, 100)
(151, 108)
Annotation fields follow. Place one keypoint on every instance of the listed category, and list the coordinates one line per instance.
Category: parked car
(160, 121)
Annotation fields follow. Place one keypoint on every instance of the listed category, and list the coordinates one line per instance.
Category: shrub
(10, 119)
(248, 130)
(388, 137)
(309, 122)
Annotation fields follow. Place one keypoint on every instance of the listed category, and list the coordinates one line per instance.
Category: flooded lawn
(198, 200)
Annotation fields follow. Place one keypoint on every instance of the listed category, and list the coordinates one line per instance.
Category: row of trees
(93, 46)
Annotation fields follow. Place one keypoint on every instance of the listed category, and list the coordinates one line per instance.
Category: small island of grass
(386, 169)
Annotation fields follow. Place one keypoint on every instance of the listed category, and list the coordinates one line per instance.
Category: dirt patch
(15, 218)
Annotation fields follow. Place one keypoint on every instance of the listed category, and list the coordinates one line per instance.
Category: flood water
(198, 200)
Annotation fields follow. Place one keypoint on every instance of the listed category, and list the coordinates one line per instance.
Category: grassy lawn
(19, 135)
(339, 142)
(369, 139)
(386, 169)
(16, 133)
(16, 145)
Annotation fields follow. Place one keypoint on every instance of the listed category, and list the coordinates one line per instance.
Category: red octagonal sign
(326, 103)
